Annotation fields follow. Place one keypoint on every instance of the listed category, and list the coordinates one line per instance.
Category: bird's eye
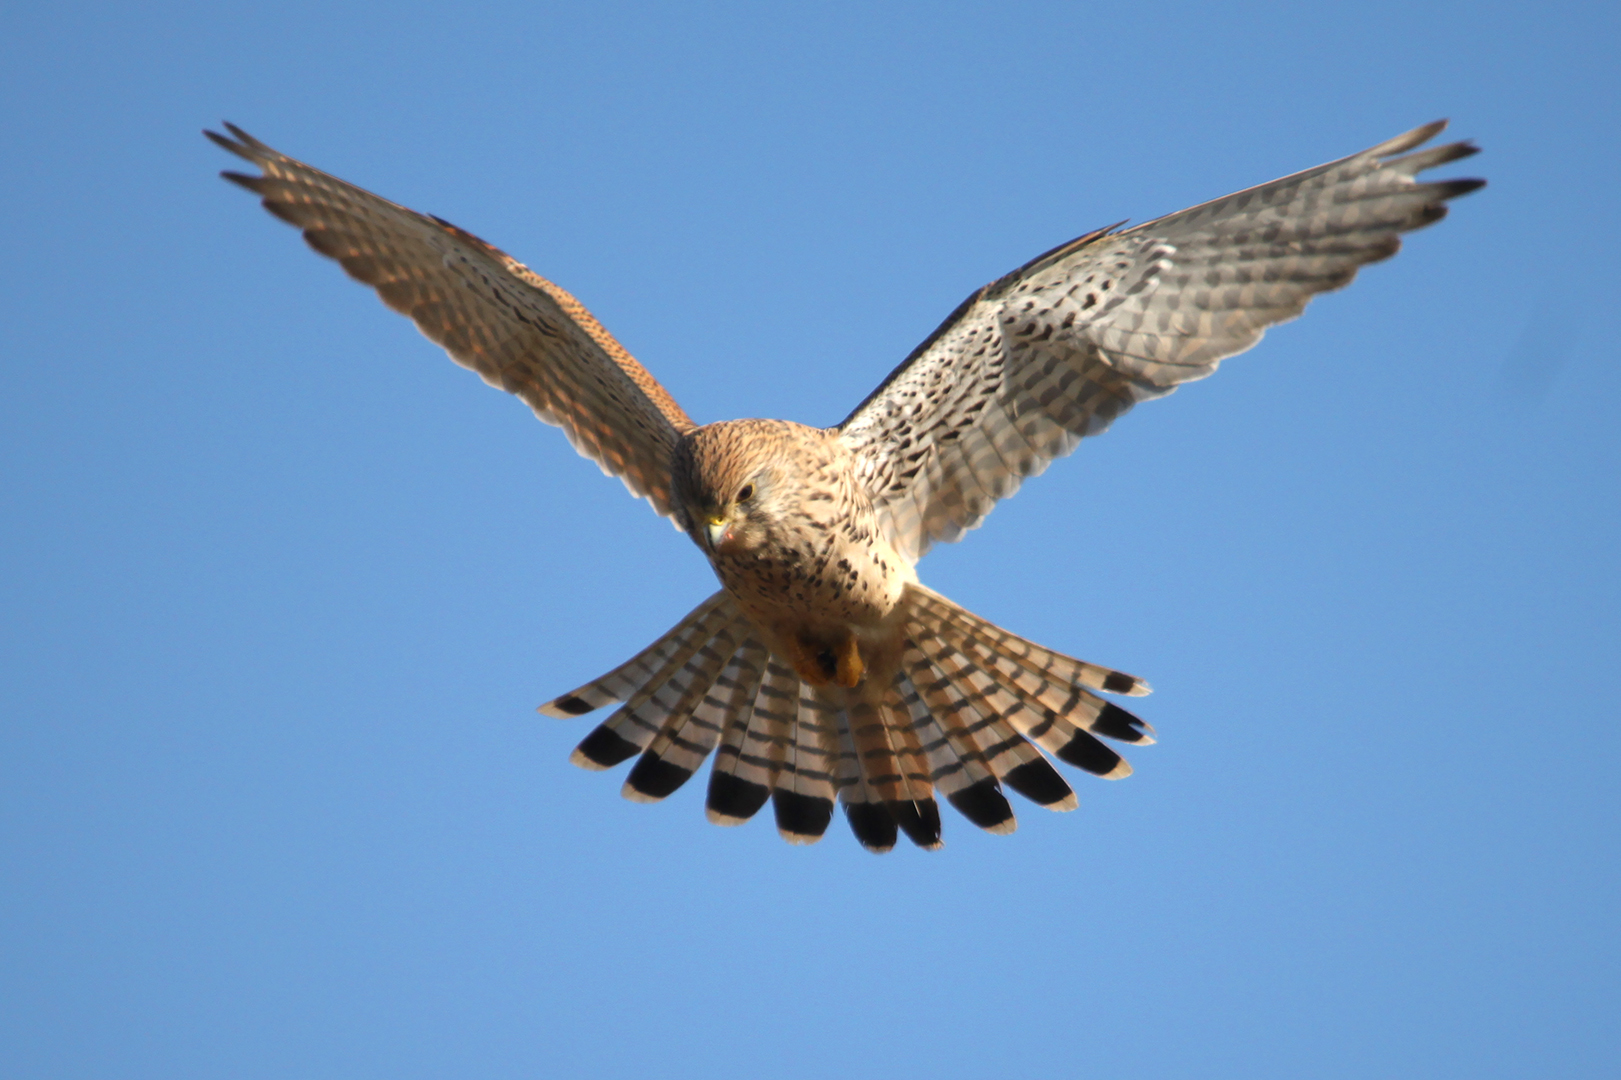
(745, 493)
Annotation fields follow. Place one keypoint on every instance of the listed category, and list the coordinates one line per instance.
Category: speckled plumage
(823, 670)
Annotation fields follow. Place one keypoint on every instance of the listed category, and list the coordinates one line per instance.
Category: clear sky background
(280, 586)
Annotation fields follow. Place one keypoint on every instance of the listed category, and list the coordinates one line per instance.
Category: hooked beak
(718, 530)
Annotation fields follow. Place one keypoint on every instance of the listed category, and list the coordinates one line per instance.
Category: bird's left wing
(491, 313)
(1032, 363)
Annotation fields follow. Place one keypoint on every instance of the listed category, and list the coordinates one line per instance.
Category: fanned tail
(961, 706)
(634, 673)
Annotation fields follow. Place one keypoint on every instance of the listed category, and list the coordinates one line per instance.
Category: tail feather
(687, 734)
(956, 766)
(630, 729)
(958, 703)
(804, 793)
(917, 813)
(1053, 731)
(894, 781)
(1034, 658)
(874, 826)
(1073, 704)
(751, 749)
(633, 674)
(1040, 692)
(964, 707)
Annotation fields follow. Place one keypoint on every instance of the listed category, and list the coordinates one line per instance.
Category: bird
(822, 671)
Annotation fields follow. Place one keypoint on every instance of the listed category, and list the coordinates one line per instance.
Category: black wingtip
(254, 184)
(1451, 189)
(1452, 152)
(571, 704)
(247, 140)
(244, 146)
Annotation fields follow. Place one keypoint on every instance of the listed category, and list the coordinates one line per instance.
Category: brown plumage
(822, 670)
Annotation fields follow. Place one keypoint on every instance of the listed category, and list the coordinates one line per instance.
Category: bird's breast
(817, 572)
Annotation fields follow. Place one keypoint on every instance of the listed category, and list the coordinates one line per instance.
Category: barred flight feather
(1046, 728)
(803, 797)
(685, 739)
(751, 753)
(892, 781)
(1037, 659)
(918, 805)
(491, 313)
(633, 674)
(872, 789)
(1072, 703)
(972, 722)
(956, 766)
(630, 729)
(966, 712)
(1069, 704)
(1062, 346)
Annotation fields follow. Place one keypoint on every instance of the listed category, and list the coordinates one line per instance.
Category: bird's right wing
(491, 313)
(1032, 363)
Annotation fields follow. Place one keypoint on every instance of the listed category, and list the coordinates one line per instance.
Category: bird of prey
(822, 670)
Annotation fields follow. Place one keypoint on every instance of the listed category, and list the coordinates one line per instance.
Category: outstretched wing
(1034, 362)
(490, 312)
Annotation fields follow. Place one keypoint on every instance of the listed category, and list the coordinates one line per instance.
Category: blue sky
(282, 586)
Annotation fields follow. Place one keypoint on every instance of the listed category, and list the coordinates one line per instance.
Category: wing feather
(1055, 351)
(492, 314)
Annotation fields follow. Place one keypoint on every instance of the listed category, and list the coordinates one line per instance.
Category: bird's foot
(850, 669)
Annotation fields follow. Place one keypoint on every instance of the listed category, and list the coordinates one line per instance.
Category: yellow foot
(850, 666)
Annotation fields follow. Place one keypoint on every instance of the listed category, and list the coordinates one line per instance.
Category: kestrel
(822, 669)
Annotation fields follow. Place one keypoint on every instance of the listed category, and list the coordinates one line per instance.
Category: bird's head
(731, 484)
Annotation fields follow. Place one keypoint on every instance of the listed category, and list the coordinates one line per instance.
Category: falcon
(822, 670)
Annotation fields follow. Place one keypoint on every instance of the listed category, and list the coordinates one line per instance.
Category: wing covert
(1039, 359)
(492, 314)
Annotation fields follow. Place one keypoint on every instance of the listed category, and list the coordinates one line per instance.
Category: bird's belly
(829, 618)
